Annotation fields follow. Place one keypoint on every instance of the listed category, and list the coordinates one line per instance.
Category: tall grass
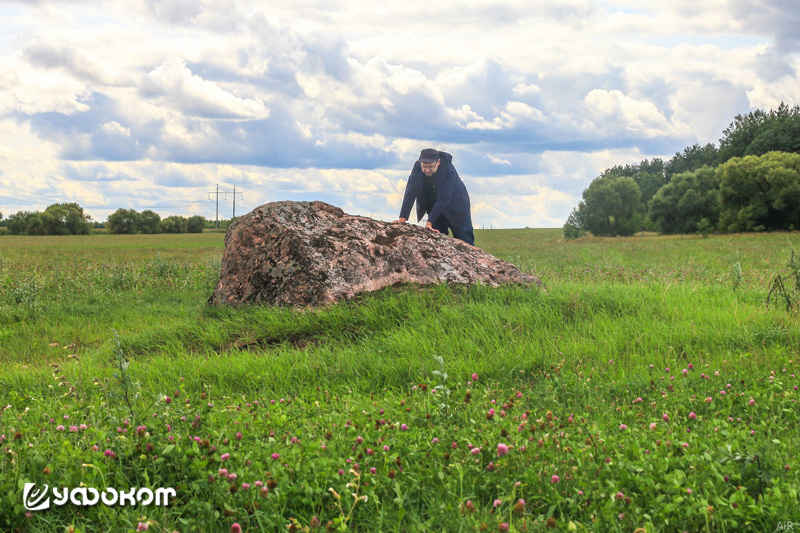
(616, 314)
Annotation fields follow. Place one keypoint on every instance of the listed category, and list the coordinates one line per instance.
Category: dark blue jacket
(452, 199)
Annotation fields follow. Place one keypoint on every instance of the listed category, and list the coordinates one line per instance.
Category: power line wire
(24, 198)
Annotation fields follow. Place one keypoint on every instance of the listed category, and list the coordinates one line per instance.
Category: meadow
(651, 387)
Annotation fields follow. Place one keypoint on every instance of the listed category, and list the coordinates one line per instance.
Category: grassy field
(650, 386)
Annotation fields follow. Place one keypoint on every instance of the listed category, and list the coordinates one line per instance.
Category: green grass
(615, 314)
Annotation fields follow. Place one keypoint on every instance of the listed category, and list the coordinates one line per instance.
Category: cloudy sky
(150, 104)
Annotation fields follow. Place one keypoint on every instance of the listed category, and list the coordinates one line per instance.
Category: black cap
(429, 155)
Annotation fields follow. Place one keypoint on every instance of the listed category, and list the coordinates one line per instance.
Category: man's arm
(409, 197)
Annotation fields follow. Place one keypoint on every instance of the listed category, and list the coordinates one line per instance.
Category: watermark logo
(787, 526)
(37, 499)
(34, 499)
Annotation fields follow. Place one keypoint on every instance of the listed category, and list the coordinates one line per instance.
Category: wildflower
(373, 470)
(665, 417)
(752, 401)
(490, 414)
(519, 507)
(503, 528)
(275, 456)
(470, 506)
(236, 528)
(502, 450)
(623, 427)
(474, 377)
(340, 472)
(386, 448)
(73, 429)
(722, 393)
(653, 426)
(403, 427)
(684, 371)
(685, 444)
(692, 415)
(490, 467)
(224, 457)
(359, 439)
(245, 486)
(475, 451)
(142, 526)
(223, 472)
(109, 453)
(709, 399)
(370, 451)
(497, 503)
(555, 479)
(435, 440)
(688, 491)
(620, 495)
(60, 428)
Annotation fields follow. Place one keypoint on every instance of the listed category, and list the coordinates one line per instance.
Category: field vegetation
(650, 387)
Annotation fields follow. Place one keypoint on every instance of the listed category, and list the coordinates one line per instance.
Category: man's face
(430, 168)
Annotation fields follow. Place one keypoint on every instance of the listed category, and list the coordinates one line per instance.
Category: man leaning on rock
(439, 193)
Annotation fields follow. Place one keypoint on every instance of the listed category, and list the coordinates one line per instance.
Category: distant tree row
(128, 221)
(57, 219)
(70, 219)
(751, 183)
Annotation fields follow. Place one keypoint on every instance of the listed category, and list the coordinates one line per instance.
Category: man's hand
(429, 226)
(399, 221)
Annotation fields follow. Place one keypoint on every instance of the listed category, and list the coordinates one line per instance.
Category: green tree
(123, 222)
(195, 224)
(692, 158)
(739, 134)
(18, 223)
(573, 227)
(780, 132)
(649, 175)
(760, 192)
(66, 219)
(684, 202)
(760, 132)
(611, 206)
(149, 222)
(173, 224)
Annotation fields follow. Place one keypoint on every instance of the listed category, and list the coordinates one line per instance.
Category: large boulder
(312, 253)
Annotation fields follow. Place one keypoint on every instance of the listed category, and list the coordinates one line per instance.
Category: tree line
(750, 183)
(70, 219)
